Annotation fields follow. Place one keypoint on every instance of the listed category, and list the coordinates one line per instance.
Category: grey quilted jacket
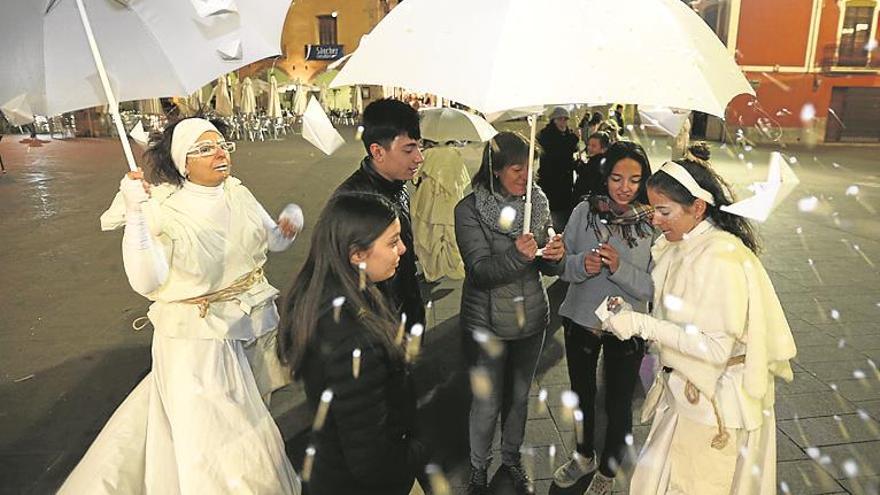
(497, 276)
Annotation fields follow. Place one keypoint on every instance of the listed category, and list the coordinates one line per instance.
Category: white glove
(133, 193)
(623, 324)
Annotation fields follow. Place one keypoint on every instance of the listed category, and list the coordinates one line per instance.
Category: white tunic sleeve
(143, 258)
(277, 241)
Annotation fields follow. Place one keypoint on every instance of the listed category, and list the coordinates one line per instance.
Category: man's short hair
(386, 119)
(602, 136)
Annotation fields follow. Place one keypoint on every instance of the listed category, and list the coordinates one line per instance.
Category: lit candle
(337, 308)
(579, 425)
(520, 307)
(323, 407)
(356, 363)
(401, 329)
(308, 462)
(415, 342)
(362, 279)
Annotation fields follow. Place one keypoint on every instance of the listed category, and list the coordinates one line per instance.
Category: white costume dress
(719, 326)
(444, 181)
(197, 423)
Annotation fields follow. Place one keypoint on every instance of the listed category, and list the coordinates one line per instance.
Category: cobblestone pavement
(68, 355)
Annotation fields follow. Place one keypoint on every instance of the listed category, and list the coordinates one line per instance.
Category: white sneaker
(576, 468)
(600, 485)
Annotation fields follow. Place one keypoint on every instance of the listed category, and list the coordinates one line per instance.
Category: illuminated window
(854, 34)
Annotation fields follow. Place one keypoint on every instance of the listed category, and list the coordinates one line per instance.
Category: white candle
(323, 407)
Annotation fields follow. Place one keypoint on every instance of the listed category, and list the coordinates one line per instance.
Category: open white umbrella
(70, 54)
(18, 111)
(248, 98)
(222, 100)
(451, 124)
(664, 54)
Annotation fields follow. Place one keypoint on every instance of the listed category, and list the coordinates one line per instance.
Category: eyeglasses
(209, 148)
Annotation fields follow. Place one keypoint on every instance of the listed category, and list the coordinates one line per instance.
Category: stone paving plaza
(68, 355)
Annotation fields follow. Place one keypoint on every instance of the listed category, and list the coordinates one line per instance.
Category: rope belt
(240, 286)
(692, 393)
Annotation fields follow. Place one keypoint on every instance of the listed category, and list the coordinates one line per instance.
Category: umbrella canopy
(473, 53)
(222, 100)
(248, 98)
(450, 124)
(18, 111)
(150, 49)
(668, 120)
(274, 110)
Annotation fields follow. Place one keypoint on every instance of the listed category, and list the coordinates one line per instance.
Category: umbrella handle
(105, 83)
(527, 214)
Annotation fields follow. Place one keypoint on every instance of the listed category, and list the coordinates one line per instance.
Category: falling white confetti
(799, 230)
(628, 439)
(673, 303)
(852, 190)
(784, 487)
(850, 468)
(792, 160)
(505, 220)
(691, 329)
(808, 113)
(863, 415)
(835, 315)
(808, 204)
(833, 386)
(859, 374)
(813, 452)
(569, 399)
(741, 156)
(841, 343)
(871, 45)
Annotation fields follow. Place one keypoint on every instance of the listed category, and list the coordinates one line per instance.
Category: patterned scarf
(630, 221)
(490, 205)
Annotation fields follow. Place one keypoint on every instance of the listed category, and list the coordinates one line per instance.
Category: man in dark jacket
(556, 174)
(391, 137)
(589, 175)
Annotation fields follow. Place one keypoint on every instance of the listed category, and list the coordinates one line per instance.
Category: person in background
(503, 304)
(442, 183)
(618, 118)
(722, 339)
(607, 253)
(591, 179)
(556, 173)
(391, 137)
(339, 335)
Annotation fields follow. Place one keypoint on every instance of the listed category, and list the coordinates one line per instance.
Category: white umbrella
(318, 130)
(664, 54)
(82, 53)
(248, 98)
(451, 124)
(668, 120)
(274, 110)
(781, 181)
(18, 111)
(222, 101)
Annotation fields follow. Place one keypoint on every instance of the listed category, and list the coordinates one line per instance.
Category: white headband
(684, 178)
(186, 134)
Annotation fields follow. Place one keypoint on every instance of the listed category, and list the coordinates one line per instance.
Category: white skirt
(677, 458)
(197, 423)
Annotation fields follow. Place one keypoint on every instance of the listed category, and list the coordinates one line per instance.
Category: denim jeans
(510, 374)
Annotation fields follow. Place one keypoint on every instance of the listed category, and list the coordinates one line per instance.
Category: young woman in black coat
(338, 334)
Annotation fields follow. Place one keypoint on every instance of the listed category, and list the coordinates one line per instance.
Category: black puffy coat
(366, 445)
(556, 174)
(403, 289)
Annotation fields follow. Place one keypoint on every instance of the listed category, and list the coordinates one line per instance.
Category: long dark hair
(622, 150)
(160, 165)
(503, 150)
(697, 164)
(350, 222)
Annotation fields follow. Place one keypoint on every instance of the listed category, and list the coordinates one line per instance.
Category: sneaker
(479, 482)
(600, 485)
(572, 471)
(521, 481)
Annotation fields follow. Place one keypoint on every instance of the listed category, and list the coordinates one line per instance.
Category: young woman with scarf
(608, 253)
(504, 305)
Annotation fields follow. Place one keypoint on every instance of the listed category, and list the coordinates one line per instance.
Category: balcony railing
(837, 56)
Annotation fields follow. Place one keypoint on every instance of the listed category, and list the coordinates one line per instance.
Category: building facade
(814, 64)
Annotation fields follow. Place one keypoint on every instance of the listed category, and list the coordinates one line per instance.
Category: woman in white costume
(195, 244)
(722, 339)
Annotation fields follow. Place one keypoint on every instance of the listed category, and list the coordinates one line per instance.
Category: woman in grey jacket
(608, 253)
(504, 305)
